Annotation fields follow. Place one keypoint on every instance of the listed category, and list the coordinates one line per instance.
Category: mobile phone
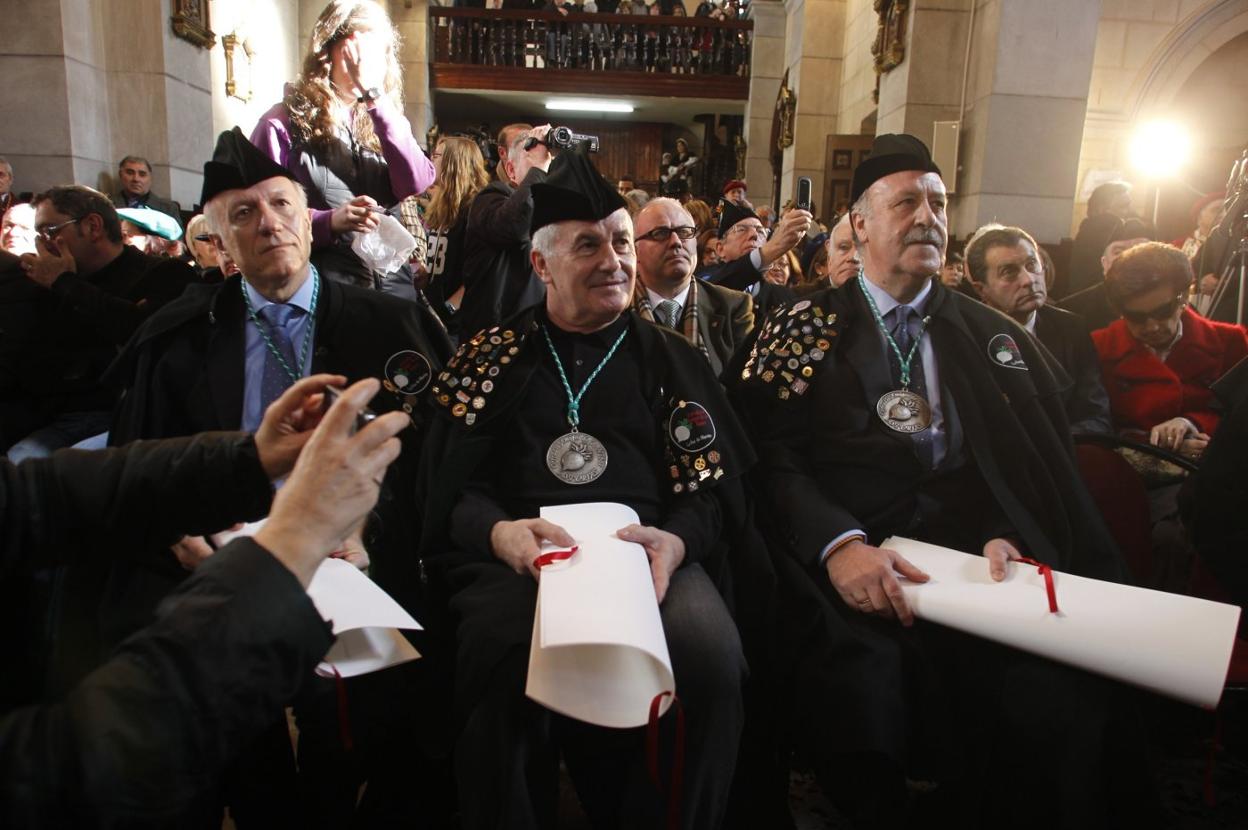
(803, 193)
(362, 418)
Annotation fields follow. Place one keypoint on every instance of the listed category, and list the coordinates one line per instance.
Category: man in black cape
(958, 439)
(656, 434)
(207, 362)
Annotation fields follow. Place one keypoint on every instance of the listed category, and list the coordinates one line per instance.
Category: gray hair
(641, 197)
(135, 159)
(861, 207)
(546, 239)
(5, 162)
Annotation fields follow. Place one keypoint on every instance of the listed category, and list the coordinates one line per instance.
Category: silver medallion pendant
(576, 458)
(904, 411)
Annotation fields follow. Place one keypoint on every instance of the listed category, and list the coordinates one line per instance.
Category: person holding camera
(498, 279)
(148, 733)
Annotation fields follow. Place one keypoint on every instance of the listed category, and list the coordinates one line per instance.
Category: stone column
(412, 23)
(1026, 101)
(814, 53)
(767, 65)
(55, 94)
(160, 96)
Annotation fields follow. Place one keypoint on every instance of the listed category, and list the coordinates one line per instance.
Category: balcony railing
(580, 52)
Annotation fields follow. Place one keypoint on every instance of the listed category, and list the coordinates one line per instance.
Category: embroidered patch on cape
(690, 427)
(409, 371)
(1004, 352)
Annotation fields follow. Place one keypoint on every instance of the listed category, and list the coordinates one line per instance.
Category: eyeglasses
(1160, 313)
(49, 232)
(757, 230)
(664, 233)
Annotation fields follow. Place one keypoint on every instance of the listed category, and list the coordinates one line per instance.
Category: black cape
(674, 371)
(184, 373)
(1014, 427)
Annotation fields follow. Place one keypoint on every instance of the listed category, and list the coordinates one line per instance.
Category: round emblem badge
(409, 371)
(1005, 352)
(690, 427)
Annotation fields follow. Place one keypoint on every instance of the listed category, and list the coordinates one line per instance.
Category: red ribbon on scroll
(1047, 573)
(554, 556)
(676, 786)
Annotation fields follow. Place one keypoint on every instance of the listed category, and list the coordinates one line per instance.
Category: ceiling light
(588, 105)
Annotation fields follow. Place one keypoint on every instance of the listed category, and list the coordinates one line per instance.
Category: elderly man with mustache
(894, 406)
(1005, 268)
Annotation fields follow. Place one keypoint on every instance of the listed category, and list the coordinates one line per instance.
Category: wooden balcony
(604, 54)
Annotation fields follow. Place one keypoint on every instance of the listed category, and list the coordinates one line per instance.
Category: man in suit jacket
(211, 361)
(961, 442)
(716, 320)
(135, 175)
(1005, 269)
(745, 249)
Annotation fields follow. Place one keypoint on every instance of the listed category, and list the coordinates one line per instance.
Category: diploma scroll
(1174, 645)
(364, 618)
(598, 652)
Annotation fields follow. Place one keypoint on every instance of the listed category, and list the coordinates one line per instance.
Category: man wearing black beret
(893, 406)
(212, 360)
(581, 400)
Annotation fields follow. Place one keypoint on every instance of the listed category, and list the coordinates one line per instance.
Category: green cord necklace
(577, 457)
(901, 410)
(262, 327)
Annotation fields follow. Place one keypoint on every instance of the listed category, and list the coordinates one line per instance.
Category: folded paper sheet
(1170, 644)
(598, 652)
(364, 618)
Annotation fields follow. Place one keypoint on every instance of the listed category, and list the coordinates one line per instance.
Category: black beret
(573, 190)
(730, 213)
(237, 164)
(891, 153)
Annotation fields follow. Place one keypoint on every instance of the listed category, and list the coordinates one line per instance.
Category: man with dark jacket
(498, 279)
(149, 731)
(134, 176)
(893, 406)
(715, 320)
(1005, 269)
(655, 433)
(88, 293)
(215, 357)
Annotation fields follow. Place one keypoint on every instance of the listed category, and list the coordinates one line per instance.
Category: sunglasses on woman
(1161, 313)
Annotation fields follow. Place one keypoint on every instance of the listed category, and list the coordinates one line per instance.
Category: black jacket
(1213, 498)
(674, 373)
(146, 733)
(827, 464)
(1066, 337)
(65, 337)
(498, 278)
(832, 466)
(1092, 304)
(184, 373)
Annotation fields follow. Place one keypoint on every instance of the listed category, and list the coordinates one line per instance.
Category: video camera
(563, 138)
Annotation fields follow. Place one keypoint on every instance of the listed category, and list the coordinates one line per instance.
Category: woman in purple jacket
(341, 131)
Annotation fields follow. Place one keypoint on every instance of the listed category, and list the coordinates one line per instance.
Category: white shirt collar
(1030, 325)
(885, 302)
(679, 299)
(302, 298)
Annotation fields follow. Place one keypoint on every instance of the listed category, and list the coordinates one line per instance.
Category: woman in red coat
(1160, 359)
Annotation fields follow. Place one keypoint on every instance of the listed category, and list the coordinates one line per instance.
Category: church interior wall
(1145, 54)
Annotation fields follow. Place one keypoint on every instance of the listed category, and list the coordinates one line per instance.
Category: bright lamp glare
(1159, 149)
(588, 105)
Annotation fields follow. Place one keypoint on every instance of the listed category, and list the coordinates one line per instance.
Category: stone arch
(1174, 60)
